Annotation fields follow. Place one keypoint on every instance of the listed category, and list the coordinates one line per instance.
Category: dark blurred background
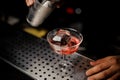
(97, 21)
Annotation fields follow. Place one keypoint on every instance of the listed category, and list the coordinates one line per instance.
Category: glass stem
(63, 57)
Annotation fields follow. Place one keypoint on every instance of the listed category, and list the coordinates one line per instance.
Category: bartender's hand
(107, 68)
(30, 2)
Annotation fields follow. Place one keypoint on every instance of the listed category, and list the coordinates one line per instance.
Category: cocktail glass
(64, 41)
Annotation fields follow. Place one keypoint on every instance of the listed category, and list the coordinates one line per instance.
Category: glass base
(63, 68)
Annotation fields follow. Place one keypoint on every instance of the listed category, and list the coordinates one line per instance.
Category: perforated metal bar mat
(35, 58)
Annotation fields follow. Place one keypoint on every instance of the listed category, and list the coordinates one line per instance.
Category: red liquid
(71, 47)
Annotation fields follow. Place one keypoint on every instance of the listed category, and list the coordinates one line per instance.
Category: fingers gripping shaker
(39, 11)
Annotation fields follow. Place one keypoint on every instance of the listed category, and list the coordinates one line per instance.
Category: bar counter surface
(34, 58)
